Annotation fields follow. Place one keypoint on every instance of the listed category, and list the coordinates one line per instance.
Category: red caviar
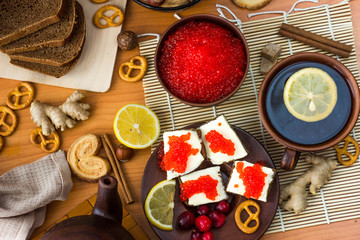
(253, 178)
(202, 62)
(218, 143)
(177, 156)
(204, 184)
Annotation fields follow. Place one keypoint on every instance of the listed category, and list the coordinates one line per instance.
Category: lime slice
(310, 94)
(159, 205)
(136, 126)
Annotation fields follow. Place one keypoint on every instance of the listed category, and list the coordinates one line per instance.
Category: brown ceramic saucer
(293, 149)
(210, 18)
(153, 175)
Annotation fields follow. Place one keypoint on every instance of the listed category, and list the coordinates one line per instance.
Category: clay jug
(103, 224)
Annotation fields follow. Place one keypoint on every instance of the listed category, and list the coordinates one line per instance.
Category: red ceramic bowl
(209, 18)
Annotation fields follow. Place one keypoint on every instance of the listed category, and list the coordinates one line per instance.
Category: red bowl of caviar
(202, 60)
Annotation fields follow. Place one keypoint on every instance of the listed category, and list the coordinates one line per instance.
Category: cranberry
(186, 220)
(207, 236)
(218, 219)
(203, 223)
(223, 207)
(196, 235)
(203, 210)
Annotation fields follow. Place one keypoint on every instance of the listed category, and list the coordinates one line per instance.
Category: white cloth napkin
(26, 190)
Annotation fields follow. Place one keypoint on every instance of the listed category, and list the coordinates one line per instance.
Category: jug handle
(108, 203)
(289, 159)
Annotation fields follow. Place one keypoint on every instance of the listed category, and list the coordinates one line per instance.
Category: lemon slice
(159, 205)
(136, 126)
(310, 94)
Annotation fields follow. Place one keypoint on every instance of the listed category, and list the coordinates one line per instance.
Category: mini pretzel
(109, 20)
(53, 138)
(4, 111)
(341, 151)
(99, 1)
(1, 143)
(18, 95)
(244, 226)
(131, 65)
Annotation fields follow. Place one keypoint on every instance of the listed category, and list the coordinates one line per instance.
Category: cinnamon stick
(121, 188)
(117, 164)
(315, 40)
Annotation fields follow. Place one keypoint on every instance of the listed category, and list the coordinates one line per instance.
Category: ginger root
(60, 117)
(293, 195)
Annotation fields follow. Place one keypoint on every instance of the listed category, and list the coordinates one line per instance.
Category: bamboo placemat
(339, 199)
(86, 208)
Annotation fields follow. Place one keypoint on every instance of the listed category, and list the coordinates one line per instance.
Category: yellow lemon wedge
(310, 94)
(136, 126)
(159, 205)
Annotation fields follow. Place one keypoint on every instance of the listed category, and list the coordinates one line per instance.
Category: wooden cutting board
(94, 70)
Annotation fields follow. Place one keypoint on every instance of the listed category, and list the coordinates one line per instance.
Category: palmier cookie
(251, 4)
(83, 159)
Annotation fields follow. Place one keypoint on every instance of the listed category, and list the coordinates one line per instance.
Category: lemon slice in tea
(159, 205)
(310, 94)
(136, 126)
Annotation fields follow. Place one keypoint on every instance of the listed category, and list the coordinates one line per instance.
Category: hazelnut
(127, 40)
(123, 153)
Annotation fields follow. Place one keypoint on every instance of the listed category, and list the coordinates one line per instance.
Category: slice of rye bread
(20, 18)
(54, 35)
(58, 56)
(47, 69)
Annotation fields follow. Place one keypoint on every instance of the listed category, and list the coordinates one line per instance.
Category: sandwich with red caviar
(202, 187)
(183, 152)
(250, 180)
(221, 142)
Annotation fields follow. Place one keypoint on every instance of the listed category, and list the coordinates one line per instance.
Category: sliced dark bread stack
(55, 49)
(54, 35)
(20, 18)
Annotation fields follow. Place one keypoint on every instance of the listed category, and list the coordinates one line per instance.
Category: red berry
(222, 206)
(186, 220)
(196, 235)
(203, 223)
(160, 155)
(203, 210)
(207, 236)
(218, 219)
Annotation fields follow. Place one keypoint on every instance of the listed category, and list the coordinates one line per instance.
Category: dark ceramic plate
(167, 9)
(256, 152)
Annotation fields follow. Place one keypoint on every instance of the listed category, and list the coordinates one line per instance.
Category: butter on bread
(221, 125)
(194, 161)
(200, 198)
(236, 184)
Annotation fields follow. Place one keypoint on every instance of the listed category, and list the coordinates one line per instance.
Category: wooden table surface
(18, 150)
